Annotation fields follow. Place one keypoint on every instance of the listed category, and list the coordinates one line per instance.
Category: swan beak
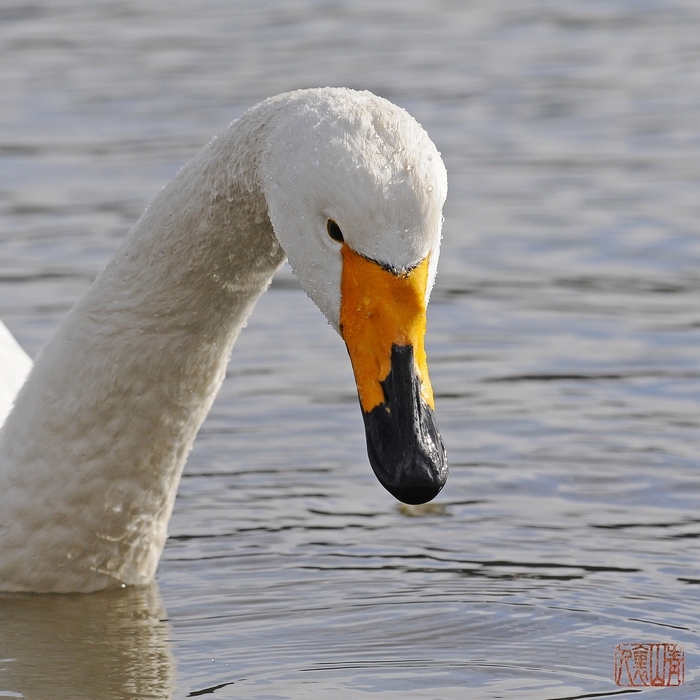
(382, 321)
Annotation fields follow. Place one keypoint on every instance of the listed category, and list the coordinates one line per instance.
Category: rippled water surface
(564, 341)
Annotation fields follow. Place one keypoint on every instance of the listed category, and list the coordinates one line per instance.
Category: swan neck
(91, 455)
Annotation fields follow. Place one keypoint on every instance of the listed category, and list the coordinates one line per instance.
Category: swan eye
(334, 231)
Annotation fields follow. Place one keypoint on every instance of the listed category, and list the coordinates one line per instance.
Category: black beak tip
(413, 478)
(420, 489)
(403, 442)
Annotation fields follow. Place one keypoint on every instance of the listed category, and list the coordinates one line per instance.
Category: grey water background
(563, 340)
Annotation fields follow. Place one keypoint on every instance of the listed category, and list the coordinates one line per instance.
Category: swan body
(348, 187)
(14, 368)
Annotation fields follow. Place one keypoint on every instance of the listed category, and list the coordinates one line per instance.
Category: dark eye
(334, 231)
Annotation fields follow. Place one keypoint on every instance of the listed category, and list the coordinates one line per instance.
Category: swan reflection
(112, 644)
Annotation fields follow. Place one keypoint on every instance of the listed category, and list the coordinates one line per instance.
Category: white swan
(351, 189)
(14, 368)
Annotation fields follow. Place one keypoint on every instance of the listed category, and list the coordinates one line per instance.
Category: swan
(345, 185)
(14, 368)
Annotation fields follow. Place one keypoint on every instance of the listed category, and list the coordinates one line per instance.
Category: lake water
(563, 339)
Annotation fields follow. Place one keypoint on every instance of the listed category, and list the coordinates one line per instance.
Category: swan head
(355, 189)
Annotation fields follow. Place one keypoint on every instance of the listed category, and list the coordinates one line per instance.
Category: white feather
(14, 368)
(91, 455)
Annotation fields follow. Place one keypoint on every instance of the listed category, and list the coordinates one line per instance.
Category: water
(564, 343)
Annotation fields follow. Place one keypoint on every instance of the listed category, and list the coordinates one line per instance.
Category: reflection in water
(112, 644)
